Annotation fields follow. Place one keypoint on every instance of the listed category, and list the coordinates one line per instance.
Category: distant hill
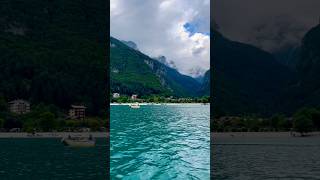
(133, 72)
(53, 52)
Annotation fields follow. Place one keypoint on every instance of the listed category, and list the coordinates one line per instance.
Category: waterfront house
(115, 95)
(19, 106)
(77, 112)
(15, 130)
(134, 97)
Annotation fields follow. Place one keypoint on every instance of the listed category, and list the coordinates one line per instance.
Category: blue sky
(177, 29)
(193, 28)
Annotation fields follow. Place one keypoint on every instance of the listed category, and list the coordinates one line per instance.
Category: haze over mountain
(271, 25)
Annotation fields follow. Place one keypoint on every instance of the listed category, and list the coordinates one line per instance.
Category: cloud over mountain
(178, 29)
(267, 24)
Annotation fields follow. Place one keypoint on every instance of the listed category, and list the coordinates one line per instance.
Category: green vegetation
(129, 73)
(160, 99)
(53, 53)
(305, 120)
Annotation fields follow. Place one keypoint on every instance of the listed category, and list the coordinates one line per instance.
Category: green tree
(302, 121)
(315, 115)
(277, 122)
(93, 124)
(1, 122)
(47, 121)
(3, 104)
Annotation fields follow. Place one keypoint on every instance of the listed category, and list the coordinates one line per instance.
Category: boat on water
(79, 141)
(134, 106)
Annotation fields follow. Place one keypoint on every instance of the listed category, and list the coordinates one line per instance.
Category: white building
(115, 95)
(77, 112)
(19, 106)
(134, 97)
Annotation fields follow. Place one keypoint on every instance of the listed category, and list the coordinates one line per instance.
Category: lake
(49, 159)
(258, 157)
(160, 142)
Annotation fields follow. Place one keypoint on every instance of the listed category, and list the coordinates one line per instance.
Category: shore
(259, 134)
(52, 134)
(156, 104)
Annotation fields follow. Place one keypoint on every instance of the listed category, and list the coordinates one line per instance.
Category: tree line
(159, 99)
(304, 120)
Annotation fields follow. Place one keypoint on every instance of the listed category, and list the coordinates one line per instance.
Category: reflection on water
(160, 142)
(266, 158)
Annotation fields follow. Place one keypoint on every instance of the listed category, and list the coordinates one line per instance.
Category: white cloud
(157, 27)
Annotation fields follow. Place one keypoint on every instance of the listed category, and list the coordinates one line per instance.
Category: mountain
(133, 72)
(307, 88)
(246, 79)
(53, 52)
(205, 84)
(197, 72)
(129, 73)
(288, 56)
(199, 79)
(163, 60)
(131, 44)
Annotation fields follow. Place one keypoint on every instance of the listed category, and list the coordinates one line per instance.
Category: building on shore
(115, 95)
(19, 106)
(77, 112)
(134, 97)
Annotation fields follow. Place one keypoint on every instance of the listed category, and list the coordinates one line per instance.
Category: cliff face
(308, 85)
(205, 86)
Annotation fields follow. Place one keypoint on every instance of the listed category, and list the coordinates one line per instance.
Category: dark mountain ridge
(246, 79)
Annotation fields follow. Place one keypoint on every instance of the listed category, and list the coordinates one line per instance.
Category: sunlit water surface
(160, 142)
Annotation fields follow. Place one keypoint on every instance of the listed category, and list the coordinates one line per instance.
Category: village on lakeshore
(20, 115)
(117, 98)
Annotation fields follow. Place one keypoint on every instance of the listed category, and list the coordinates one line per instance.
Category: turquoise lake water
(160, 142)
(42, 159)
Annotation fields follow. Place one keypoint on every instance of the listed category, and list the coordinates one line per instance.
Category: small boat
(79, 141)
(134, 106)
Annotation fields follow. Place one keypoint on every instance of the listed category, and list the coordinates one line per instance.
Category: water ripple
(160, 142)
(266, 158)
